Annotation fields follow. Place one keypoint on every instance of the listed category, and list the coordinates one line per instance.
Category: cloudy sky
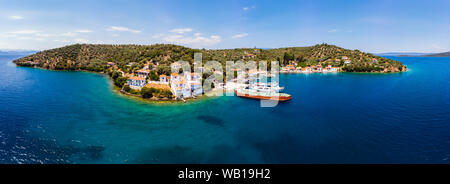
(369, 25)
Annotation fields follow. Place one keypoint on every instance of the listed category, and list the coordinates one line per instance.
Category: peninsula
(146, 70)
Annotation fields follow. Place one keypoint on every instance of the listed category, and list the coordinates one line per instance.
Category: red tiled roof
(158, 86)
(136, 78)
(143, 71)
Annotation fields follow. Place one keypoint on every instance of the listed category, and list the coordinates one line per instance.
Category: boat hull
(257, 97)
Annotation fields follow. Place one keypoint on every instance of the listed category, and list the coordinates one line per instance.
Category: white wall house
(175, 66)
(318, 68)
(195, 88)
(331, 69)
(136, 82)
(186, 86)
(163, 79)
(178, 88)
(143, 73)
(174, 77)
(192, 77)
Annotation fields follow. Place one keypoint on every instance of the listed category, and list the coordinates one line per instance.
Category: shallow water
(75, 117)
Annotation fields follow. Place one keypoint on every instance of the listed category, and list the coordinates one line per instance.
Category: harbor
(252, 84)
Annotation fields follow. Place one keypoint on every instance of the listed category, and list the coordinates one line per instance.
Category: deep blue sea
(76, 117)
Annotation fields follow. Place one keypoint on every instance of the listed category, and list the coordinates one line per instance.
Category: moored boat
(265, 87)
(254, 94)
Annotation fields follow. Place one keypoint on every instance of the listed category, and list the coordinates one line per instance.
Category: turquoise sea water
(75, 117)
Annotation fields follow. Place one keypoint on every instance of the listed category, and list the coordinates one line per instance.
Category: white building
(136, 82)
(131, 64)
(178, 88)
(331, 69)
(163, 79)
(175, 66)
(143, 73)
(192, 76)
(195, 87)
(174, 77)
(186, 86)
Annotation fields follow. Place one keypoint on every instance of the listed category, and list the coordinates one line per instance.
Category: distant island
(404, 54)
(414, 54)
(445, 54)
(17, 52)
(145, 70)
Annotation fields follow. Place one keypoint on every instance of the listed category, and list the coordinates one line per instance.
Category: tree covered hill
(129, 58)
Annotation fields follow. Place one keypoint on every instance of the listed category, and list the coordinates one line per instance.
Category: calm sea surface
(75, 117)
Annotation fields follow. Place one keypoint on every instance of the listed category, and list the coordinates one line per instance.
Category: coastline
(138, 98)
(325, 73)
(118, 91)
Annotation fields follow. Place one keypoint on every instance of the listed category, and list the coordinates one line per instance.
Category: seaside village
(189, 85)
(316, 68)
(311, 69)
(186, 85)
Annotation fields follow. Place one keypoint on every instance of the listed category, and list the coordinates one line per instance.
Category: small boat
(254, 94)
(265, 87)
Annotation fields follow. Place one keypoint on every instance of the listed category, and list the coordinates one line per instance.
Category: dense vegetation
(153, 92)
(146, 92)
(129, 58)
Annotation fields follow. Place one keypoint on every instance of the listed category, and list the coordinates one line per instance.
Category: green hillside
(129, 58)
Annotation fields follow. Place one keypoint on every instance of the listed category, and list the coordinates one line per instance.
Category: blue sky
(369, 25)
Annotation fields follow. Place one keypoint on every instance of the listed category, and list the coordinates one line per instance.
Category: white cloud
(196, 40)
(333, 31)
(69, 34)
(115, 35)
(25, 38)
(44, 35)
(123, 29)
(7, 35)
(76, 40)
(39, 39)
(181, 30)
(248, 8)
(180, 36)
(15, 17)
(80, 40)
(24, 32)
(239, 35)
(30, 38)
(63, 41)
(157, 36)
(84, 31)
